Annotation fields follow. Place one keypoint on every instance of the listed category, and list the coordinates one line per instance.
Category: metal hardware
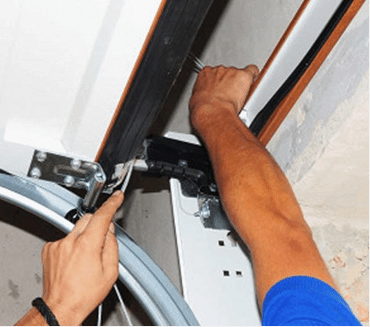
(35, 172)
(212, 214)
(197, 64)
(70, 172)
(187, 162)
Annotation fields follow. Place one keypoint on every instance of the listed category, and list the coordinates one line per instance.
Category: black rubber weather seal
(264, 115)
(163, 59)
(5, 172)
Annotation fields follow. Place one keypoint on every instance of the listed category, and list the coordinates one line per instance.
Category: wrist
(32, 318)
(64, 314)
(206, 118)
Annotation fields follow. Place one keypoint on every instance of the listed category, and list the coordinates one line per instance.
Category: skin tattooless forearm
(32, 318)
(246, 173)
(259, 202)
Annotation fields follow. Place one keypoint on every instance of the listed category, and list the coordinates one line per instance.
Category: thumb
(253, 71)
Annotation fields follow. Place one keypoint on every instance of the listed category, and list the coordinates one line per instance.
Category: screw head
(68, 181)
(99, 177)
(35, 172)
(75, 164)
(41, 156)
(205, 212)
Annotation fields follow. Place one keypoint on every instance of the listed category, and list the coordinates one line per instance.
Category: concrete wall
(322, 146)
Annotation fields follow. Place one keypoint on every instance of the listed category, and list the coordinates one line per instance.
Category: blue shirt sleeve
(305, 301)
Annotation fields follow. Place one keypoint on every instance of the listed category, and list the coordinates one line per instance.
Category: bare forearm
(246, 173)
(32, 318)
(259, 202)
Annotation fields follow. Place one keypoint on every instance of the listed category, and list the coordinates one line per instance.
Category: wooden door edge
(286, 105)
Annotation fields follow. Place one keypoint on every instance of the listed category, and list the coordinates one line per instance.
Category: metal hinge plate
(70, 172)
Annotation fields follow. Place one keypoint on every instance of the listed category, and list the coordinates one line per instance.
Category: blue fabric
(305, 301)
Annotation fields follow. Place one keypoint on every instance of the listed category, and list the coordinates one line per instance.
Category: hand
(80, 269)
(221, 87)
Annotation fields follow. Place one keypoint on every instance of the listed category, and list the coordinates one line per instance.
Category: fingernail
(111, 228)
(117, 192)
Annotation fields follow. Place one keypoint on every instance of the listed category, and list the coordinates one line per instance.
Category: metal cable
(124, 309)
(100, 313)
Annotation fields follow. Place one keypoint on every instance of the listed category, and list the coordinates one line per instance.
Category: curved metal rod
(137, 271)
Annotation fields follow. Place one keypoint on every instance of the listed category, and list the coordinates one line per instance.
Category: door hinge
(70, 172)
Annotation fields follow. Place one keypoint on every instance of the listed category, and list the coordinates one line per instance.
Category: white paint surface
(63, 68)
(216, 299)
(306, 31)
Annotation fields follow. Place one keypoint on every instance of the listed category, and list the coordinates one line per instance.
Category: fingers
(253, 71)
(81, 225)
(102, 218)
(110, 257)
(112, 228)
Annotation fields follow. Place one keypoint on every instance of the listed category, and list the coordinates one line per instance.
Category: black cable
(264, 115)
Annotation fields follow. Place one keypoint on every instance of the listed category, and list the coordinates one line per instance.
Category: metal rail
(147, 282)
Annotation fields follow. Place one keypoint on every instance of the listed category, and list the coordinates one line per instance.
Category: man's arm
(80, 269)
(254, 191)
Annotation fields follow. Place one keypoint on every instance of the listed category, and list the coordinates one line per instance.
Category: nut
(35, 172)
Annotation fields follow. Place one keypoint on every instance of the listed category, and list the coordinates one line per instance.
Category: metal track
(147, 282)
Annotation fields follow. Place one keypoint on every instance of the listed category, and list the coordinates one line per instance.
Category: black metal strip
(162, 62)
(5, 172)
(264, 115)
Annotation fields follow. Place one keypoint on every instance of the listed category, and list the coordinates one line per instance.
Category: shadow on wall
(204, 34)
(27, 222)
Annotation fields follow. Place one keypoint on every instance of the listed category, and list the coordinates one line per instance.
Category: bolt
(99, 177)
(35, 172)
(205, 212)
(68, 181)
(183, 163)
(41, 156)
(75, 164)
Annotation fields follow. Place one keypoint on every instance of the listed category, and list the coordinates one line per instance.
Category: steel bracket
(70, 172)
(211, 213)
(184, 161)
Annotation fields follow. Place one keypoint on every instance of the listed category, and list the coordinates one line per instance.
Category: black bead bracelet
(40, 305)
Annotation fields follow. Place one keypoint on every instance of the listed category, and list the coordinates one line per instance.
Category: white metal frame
(216, 274)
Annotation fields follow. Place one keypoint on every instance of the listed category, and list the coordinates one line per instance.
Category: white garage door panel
(9, 11)
(63, 67)
(305, 32)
